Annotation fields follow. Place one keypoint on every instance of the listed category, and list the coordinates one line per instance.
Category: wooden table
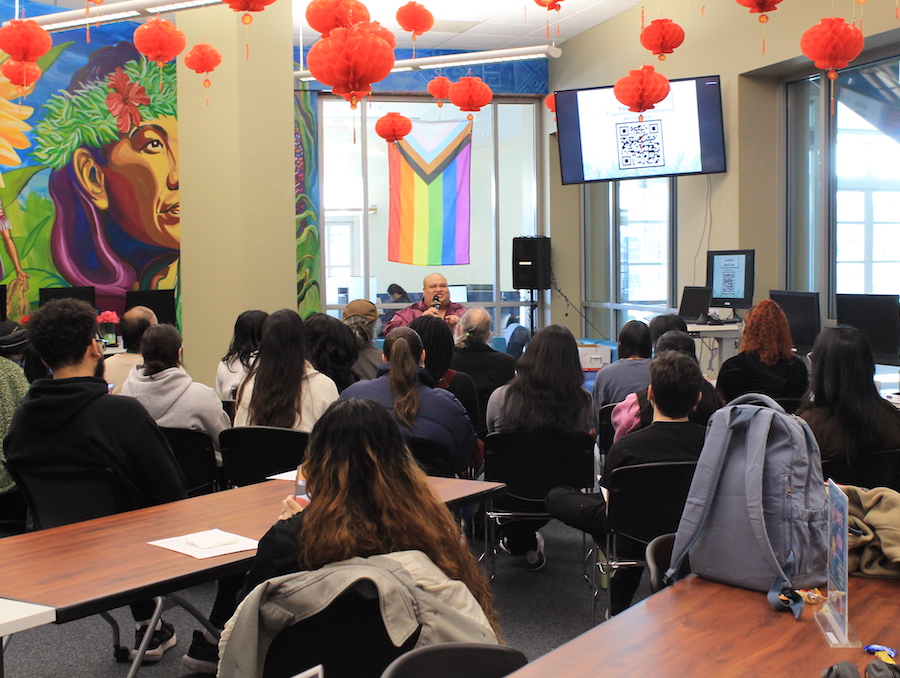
(85, 568)
(700, 628)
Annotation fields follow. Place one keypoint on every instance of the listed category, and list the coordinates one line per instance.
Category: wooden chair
(531, 464)
(252, 453)
(195, 453)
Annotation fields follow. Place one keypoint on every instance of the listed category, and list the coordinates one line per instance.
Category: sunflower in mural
(12, 139)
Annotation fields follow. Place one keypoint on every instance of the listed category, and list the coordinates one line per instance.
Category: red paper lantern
(549, 4)
(381, 32)
(470, 93)
(350, 60)
(550, 102)
(414, 18)
(832, 44)
(323, 15)
(24, 40)
(159, 40)
(203, 58)
(393, 127)
(760, 7)
(21, 73)
(248, 6)
(662, 36)
(439, 88)
(641, 89)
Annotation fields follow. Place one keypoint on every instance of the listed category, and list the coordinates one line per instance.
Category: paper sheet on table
(287, 475)
(207, 544)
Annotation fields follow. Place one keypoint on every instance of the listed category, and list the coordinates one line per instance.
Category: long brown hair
(370, 497)
(767, 333)
(403, 349)
(278, 371)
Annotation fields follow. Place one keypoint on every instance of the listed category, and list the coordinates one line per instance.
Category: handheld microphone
(436, 302)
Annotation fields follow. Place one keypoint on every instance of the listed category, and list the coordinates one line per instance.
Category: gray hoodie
(174, 400)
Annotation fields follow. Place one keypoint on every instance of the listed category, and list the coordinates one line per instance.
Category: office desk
(85, 568)
(700, 628)
(727, 336)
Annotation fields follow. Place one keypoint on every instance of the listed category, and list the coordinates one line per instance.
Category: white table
(728, 338)
(17, 616)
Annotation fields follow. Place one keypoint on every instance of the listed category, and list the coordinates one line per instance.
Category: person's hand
(292, 505)
(431, 310)
(452, 320)
(22, 277)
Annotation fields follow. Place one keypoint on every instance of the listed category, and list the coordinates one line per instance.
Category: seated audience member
(234, 366)
(661, 324)
(636, 412)
(332, 349)
(118, 366)
(675, 382)
(70, 422)
(435, 302)
(172, 398)
(765, 363)
(437, 340)
(488, 368)
(361, 316)
(545, 395)
(842, 406)
(13, 387)
(282, 388)
(422, 412)
(631, 372)
(370, 497)
(398, 296)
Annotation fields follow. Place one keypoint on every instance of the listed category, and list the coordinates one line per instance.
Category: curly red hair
(767, 333)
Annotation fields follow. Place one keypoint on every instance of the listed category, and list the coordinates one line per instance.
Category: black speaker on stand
(531, 268)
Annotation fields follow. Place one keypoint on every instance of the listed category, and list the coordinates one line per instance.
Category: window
(635, 219)
(844, 182)
(357, 197)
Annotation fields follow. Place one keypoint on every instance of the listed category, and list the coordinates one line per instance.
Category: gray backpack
(756, 514)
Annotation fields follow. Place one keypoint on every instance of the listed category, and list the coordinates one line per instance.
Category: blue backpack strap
(700, 496)
(781, 596)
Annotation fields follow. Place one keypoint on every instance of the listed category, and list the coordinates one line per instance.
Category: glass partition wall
(357, 197)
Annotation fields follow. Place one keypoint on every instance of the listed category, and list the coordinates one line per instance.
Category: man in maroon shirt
(435, 301)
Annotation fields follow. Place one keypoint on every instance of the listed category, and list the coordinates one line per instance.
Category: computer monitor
(878, 317)
(802, 311)
(87, 294)
(161, 302)
(694, 303)
(730, 273)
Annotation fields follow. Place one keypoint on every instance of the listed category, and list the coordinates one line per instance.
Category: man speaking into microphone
(435, 301)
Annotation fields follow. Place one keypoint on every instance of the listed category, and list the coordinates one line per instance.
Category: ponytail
(403, 348)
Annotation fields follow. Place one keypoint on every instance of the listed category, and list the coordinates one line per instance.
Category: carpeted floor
(539, 611)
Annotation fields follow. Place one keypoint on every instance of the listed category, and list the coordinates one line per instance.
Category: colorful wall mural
(306, 200)
(89, 161)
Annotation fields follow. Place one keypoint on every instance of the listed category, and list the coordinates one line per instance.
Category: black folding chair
(531, 464)
(877, 469)
(195, 453)
(250, 454)
(644, 501)
(659, 555)
(450, 660)
(433, 458)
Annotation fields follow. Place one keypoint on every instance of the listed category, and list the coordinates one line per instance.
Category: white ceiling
(470, 25)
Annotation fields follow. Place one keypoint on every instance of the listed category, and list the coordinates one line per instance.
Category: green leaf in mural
(15, 181)
(33, 235)
(50, 57)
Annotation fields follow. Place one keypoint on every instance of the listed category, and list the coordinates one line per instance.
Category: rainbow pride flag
(430, 200)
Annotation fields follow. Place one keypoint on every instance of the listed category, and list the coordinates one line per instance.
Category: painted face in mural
(141, 183)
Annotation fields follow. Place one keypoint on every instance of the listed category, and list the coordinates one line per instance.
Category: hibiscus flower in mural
(124, 99)
(12, 138)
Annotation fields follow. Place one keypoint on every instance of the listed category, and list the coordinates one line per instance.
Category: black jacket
(746, 373)
(489, 370)
(74, 424)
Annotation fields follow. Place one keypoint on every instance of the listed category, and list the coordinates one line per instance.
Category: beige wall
(236, 163)
(747, 202)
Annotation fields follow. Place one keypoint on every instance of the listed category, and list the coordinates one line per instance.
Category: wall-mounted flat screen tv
(601, 140)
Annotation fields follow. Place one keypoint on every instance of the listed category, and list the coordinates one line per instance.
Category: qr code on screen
(728, 282)
(640, 144)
